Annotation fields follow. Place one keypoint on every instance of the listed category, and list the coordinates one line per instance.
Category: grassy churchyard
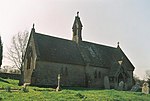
(10, 91)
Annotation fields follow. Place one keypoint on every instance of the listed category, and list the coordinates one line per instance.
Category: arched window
(66, 71)
(61, 71)
(99, 74)
(95, 74)
(29, 58)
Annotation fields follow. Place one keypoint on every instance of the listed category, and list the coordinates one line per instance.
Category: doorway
(120, 78)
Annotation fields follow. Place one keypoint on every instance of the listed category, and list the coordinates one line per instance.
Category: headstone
(121, 85)
(145, 88)
(136, 87)
(106, 82)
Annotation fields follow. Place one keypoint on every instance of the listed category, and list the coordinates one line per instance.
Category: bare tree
(137, 80)
(17, 49)
(147, 73)
(148, 76)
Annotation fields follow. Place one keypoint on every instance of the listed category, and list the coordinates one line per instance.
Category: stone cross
(145, 88)
(58, 87)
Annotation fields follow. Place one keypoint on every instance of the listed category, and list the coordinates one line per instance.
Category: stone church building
(79, 63)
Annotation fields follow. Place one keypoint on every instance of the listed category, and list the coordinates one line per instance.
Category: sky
(104, 22)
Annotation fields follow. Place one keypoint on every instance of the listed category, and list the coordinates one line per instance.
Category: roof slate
(59, 50)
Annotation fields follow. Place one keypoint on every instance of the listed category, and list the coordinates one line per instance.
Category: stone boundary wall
(10, 76)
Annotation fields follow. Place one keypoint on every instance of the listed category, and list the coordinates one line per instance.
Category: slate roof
(57, 49)
(60, 50)
(97, 55)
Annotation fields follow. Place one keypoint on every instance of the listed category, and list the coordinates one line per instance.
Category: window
(66, 71)
(61, 71)
(99, 74)
(95, 74)
(29, 58)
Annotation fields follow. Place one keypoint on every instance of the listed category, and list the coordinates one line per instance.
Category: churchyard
(10, 91)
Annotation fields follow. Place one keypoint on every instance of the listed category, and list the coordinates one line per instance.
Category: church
(79, 63)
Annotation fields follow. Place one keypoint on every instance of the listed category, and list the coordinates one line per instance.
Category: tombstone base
(58, 89)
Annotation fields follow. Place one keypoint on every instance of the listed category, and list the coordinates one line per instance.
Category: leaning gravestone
(136, 87)
(106, 82)
(145, 88)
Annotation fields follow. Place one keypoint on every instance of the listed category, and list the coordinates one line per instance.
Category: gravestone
(121, 85)
(145, 88)
(136, 87)
(106, 82)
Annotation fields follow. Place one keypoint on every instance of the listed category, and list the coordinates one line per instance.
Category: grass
(67, 94)
(9, 82)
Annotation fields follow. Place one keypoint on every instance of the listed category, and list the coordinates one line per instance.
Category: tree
(148, 76)
(137, 79)
(17, 49)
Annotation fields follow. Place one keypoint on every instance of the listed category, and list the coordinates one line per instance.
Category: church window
(61, 71)
(95, 74)
(29, 58)
(66, 71)
(99, 74)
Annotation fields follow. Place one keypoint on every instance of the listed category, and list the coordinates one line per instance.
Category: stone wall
(10, 76)
(96, 76)
(46, 74)
(130, 80)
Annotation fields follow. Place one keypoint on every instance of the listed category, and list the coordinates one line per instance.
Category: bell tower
(77, 29)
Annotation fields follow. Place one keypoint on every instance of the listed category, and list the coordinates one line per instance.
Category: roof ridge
(52, 36)
(72, 41)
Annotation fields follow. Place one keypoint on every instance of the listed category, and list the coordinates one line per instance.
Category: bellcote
(33, 29)
(77, 29)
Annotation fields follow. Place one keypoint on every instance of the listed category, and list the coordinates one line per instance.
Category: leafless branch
(17, 49)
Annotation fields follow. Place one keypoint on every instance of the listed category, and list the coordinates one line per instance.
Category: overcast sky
(104, 22)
